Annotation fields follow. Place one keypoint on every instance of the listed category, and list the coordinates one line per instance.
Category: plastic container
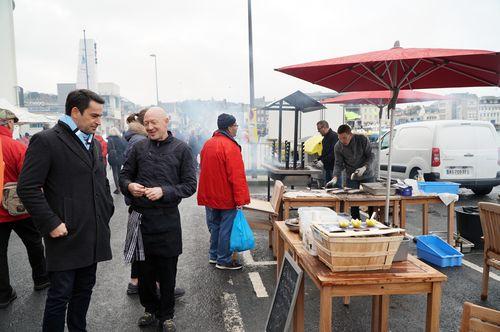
(433, 249)
(402, 253)
(406, 191)
(438, 187)
(469, 224)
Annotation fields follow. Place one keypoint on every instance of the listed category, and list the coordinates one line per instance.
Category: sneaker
(13, 296)
(146, 319)
(42, 285)
(179, 292)
(212, 261)
(168, 326)
(230, 266)
(132, 289)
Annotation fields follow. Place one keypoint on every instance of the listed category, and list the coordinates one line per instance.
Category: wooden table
(425, 201)
(289, 176)
(409, 277)
(293, 202)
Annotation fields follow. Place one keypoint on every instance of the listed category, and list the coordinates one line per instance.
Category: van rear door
(457, 146)
(486, 153)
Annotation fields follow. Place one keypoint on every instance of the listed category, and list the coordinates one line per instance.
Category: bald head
(155, 122)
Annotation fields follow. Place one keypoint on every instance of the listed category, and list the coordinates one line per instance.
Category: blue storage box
(438, 187)
(433, 249)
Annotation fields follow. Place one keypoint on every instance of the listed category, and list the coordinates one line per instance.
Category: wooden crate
(359, 253)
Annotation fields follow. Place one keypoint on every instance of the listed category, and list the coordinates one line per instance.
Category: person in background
(64, 187)
(158, 173)
(104, 146)
(353, 153)
(116, 155)
(223, 189)
(25, 139)
(13, 157)
(327, 158)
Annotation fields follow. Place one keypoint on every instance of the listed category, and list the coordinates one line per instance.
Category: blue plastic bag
(241, 235)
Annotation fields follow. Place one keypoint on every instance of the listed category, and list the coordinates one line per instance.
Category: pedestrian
(157, 174)
(15, 218)
(353, 153)
(63, 186)
(135, 133)
(116, 155)
(223, 189)
(104, 146)
(327, 158)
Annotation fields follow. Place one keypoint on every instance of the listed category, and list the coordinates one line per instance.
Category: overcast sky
(202, 45)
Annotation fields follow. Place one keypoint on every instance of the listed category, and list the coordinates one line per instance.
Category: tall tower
(86, 77)
(8, 79)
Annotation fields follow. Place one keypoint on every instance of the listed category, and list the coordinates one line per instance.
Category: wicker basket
(359, 253)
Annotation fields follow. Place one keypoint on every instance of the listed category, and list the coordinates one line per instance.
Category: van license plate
(458, 171)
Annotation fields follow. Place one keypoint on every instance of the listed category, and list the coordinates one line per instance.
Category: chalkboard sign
(285, 296)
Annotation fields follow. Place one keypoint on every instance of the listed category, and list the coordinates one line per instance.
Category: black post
(280, 133)
(295, 139)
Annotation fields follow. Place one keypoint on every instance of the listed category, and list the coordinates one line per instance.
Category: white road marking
(480, 269)
(248, 260)
(258, 285)
(231, 313)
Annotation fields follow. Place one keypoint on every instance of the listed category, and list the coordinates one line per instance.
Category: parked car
(464, 152)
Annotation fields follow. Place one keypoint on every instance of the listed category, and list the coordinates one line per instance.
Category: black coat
(63, 182)
(116, 150)
(170, 165)
(327, 155)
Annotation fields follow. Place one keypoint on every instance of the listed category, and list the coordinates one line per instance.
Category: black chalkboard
(285, 296)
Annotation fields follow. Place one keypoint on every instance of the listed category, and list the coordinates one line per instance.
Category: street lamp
(156, 78)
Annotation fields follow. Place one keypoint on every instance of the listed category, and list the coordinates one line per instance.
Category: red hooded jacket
(223, 184)
(13, 156)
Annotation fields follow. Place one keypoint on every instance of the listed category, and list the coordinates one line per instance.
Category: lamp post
(156, 79)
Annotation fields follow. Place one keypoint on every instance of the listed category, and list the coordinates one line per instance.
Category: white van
(460, 151)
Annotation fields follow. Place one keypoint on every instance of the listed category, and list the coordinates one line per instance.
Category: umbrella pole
(295, 139)
(391, 108)
(280, 129)
(381, 110)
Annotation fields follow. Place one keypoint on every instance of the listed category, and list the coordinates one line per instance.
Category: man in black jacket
(157, 174)
(330, 138)
(63, 186)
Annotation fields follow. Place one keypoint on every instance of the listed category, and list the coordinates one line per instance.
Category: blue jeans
(220, 225)
(354, 184)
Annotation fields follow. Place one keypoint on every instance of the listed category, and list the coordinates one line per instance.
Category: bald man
(157, 174)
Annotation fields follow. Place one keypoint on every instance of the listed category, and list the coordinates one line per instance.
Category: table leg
(403, 214)
(375, 313)
(280, 253)
(347, 300)
(451, 223)
(433, 308)
(286, 210)
(337, 206)
(395, 213)
(298, 313)
(347, 207)
(325, 310)
(425, 219)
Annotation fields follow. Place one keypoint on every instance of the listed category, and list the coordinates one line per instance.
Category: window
(385, 141)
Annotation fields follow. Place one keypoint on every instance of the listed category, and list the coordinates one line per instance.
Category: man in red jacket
(223, 189)
(13, 156)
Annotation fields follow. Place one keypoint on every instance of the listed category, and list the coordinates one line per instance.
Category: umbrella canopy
(351, 116)
(400, 68)
(382, 98)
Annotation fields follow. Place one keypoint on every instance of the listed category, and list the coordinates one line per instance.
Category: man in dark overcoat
(63, 186)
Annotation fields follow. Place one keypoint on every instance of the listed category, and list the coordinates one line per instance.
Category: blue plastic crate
(433, 249)
(438, 187)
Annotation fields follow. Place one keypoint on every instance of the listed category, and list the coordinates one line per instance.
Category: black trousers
(164, 270)
(116, 173)
(69, 290)
(32, 240)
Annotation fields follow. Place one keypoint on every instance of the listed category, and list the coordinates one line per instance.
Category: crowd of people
(61, 194)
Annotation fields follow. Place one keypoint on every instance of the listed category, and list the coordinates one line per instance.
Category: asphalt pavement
(240, 300)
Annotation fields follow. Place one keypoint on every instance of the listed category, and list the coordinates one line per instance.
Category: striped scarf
(134, 248)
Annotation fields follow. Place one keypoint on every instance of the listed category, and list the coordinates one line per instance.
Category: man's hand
(331, 183)
(318, 163)
(59, 231)
(153, 194)
(137, 190)
(360, 171)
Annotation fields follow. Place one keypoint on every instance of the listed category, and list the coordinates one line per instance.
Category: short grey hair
(323, 123)
(114, 132)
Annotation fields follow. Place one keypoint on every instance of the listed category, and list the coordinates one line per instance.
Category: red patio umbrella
(400, 68)
(381, 99)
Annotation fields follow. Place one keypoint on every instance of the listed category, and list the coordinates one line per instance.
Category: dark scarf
(225, 133)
